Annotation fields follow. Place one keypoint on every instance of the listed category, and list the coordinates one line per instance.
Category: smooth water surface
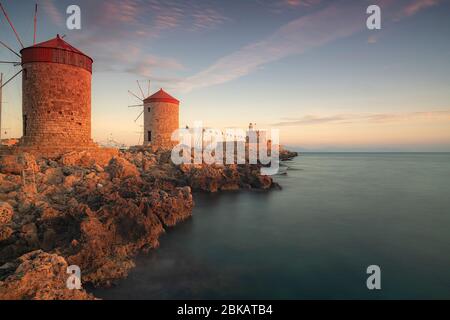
(336, 215)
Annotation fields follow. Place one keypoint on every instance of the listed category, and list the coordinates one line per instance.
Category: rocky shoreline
(96, 212)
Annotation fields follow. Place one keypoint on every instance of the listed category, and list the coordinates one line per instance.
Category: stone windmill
(56, 95)
(161, 118)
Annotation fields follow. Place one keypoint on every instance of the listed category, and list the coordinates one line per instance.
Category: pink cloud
(123, 11)
(208, 18)
(380, 118)
(147, 64)
(52, 11)
(302, 34)
(167, 20)
(281, 6)
(112, 28)
(419, 5)
(372, 39)
(336, 21)
(296, 3)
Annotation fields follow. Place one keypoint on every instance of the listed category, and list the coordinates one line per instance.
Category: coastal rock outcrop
(96, 214)
(213, 178)
(286, 154)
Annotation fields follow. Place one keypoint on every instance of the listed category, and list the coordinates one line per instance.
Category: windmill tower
(161, 118)
(56, 94)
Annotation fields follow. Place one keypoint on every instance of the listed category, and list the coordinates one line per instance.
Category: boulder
(71, 180)
(172, 208)
(80, 159)
(6, 213)
(8, 186)
(9, 164)
(40, 276)
(30, 234)
(5, 233)
(121, 168)
(53, 176)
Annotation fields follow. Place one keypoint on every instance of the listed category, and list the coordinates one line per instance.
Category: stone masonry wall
(162, 121)
(57, 106)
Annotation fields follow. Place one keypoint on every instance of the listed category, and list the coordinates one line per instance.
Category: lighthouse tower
(161, 119)
(56, 100)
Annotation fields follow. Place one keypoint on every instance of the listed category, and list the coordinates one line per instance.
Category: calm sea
(336, 215)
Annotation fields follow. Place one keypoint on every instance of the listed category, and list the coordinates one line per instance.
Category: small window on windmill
(25, 74)
(148, 109)
(149, 133)
(25, 125)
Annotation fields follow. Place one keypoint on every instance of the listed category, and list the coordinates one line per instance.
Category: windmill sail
(9, 48)
(11, 24)
(11, 78)
(142, 92)
(35, 24)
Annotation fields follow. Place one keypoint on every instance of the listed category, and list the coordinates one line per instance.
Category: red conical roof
(56, 50)
(162, 96)
(57, 43)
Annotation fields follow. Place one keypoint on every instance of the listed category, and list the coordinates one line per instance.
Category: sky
(310, 68)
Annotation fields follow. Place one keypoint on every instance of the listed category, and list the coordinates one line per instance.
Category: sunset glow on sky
(310, 68)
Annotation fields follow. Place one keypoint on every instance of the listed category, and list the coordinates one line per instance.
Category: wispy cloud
(372, 39)
(280, 6)
(52, 11)
(443, 115)
(418, 5)
(147, 65)
(337, 20)
(118, 33)
(297, 3)
(331, 23)
(208, 18)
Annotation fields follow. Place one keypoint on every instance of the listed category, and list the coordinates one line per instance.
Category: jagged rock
(88, 159)
(111, 236)
(15, 164)
(40, 276)
(7, 269)
(28, 160)
(203, 177)
(98, 168)
(212, 178)
(286, 155)
(71, 180)
(5, 233)
(120, 168)
(149, 162)
(30, 234)
(10, 164)
(53, 176)
(173, 208)
(80, 159)
(262, 182)
(8, 186)
(24, 205)
(6, 213)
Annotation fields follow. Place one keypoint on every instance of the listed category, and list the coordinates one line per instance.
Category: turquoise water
(336, 215)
